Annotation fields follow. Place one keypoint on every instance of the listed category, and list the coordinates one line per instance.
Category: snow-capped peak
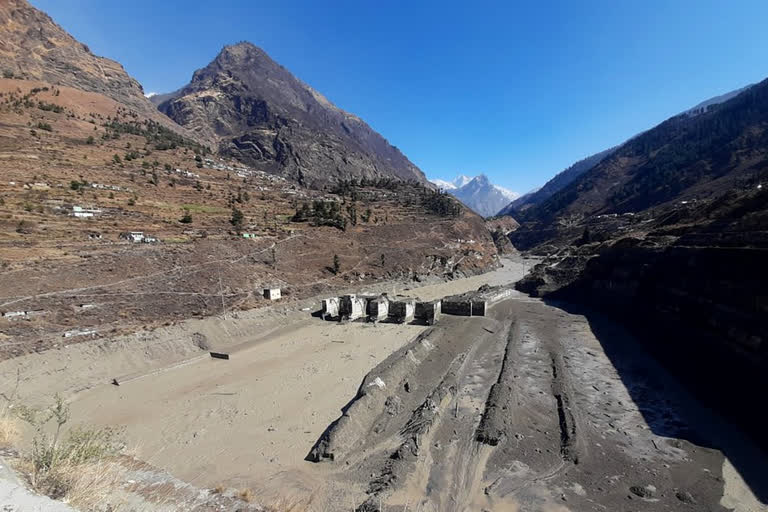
(509, 194)
(478, 193)
(461, 180)
(443, 185)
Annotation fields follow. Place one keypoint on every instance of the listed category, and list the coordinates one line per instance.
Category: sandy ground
(251, 421)
(243, 421)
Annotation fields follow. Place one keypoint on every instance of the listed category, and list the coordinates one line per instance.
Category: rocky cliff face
(255, 110)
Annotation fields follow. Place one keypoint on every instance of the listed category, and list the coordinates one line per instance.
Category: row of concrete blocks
(377, 308)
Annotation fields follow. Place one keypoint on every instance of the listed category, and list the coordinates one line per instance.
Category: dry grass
(90, 483)
(85, 486)
(291, 505)
(246, 495)
(10, 431)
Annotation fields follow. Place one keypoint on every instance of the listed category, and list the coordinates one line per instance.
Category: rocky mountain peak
(481, 180)
(256, 111)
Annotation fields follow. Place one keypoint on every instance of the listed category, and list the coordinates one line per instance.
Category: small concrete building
(272, 293)
(378, 308)
(80, 212)
(15, 314)
(133, 236)
(428, 312)
(138, 237)
(352, 307)
(330, 308)
(403, 310)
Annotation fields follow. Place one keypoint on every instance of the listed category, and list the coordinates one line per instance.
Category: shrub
(80, 468)
(237, 219)
(50, 107)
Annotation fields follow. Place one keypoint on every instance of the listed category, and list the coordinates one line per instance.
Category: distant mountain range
(478, 193)
(565, 177)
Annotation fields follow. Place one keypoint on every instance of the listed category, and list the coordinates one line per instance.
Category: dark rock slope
(255, 110)
(687, 157)
(555, 184)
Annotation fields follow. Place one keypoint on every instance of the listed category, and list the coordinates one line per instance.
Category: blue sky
(518, 91)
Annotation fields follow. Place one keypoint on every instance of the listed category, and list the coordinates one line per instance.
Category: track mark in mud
(566, 421)
(357, 421)
(492, 428)
(416, 429)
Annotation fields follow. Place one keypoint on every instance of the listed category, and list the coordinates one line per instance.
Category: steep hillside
(669, 234)
(685, 157)
(564, 178)
(561, 180)
(34, 47)
(256, 111)
(80, 170)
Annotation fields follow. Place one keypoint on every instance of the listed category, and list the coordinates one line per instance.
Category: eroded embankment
(373, 396)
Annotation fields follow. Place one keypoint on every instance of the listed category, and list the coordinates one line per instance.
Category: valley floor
(529, 408)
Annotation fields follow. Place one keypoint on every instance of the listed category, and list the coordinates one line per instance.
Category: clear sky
(516, 90)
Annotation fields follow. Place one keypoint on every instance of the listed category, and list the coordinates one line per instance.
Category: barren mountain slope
(63, 149)
(258, 112)
(34, 47)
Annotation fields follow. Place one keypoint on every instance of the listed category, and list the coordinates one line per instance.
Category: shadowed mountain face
(566, 177)
(34, 47)
(555, 184)
(255, 110)
(685, 157)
